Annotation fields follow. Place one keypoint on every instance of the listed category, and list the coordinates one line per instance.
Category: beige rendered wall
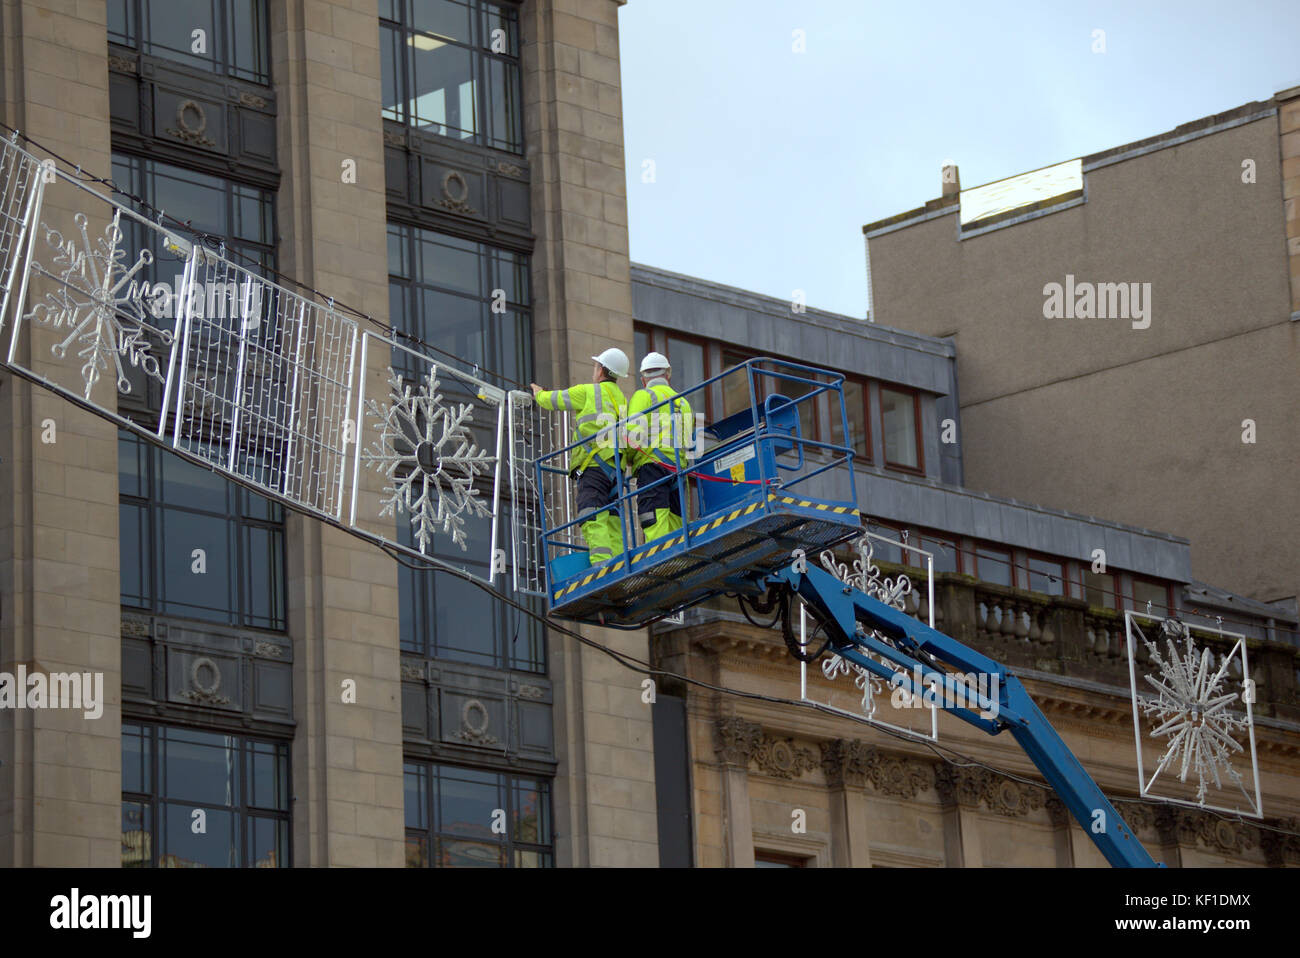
(60, 772)
(582, 304)
(1143, 426)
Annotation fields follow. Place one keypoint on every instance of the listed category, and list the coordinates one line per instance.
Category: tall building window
(469, 299)
(446, 617)
(195, 545)
(451, 67)
(1147, 590)
(242, 215)
(467, 818)
(1099, 588)
(899, 418)
(203, 799)
(855, 408)
(993, 565)
(229, 37)
(1046, 576)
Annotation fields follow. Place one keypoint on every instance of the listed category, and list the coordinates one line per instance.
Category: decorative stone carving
(191, 121)
(1280, 848)
(737, 740)
(205, 683)
(455, 194)
(122, 64)
(978, 786)
(900, 776)
(531, 692)
(1057, 812)
(782, 758)
(251, 99)
(268, 650)
(410, 671)
(135, 626)
(1188, 826)
(474, 721)
(509, 169)
(393, 139)
(847, 762)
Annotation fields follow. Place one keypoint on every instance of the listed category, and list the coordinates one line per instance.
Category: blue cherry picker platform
(760, 484)
(762, 495)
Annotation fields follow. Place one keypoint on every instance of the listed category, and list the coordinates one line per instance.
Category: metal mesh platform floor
(660, 577)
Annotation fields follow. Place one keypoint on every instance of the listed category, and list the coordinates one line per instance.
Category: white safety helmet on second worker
(615, 360)
(654, 362)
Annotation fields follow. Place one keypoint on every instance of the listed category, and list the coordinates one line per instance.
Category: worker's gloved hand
(536, 388)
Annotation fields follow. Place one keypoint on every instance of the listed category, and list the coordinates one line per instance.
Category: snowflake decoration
(866, 577)
(101, 301)
(426, 452)
(1191, 711)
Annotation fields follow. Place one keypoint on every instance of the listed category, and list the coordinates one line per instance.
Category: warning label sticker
(731, 460)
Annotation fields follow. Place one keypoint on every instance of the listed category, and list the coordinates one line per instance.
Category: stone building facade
(417, 163)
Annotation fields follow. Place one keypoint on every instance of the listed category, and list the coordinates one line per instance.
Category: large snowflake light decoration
(1190, 710)
(865, 576)
(426, 452)
(101, 301)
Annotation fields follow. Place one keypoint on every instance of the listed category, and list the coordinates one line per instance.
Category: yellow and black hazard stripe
(668, 543)
(809, 504)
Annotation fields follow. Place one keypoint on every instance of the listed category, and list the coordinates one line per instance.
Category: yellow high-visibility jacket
(594, 413)
(666, 433)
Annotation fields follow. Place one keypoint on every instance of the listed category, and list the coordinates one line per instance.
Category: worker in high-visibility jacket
(659, 445)
(595, 408)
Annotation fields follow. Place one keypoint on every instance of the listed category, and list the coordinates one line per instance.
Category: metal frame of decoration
(533, 431)
(1190, 710)
(423, 447)
(865, 576)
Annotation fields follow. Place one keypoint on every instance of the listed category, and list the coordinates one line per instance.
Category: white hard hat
(615, 360)
(654, 361)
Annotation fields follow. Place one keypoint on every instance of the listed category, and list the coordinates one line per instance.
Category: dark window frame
(433, 833)
(238, 517)
(494, 365)
(221, 62)
(481, 56)
(244, 810)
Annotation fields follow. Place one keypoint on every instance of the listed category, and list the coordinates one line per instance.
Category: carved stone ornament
(474, 721)
(1281, 848)
(205, 683)
(412, 671)
(974, 787)
(191, 121)
(737, 740)
(251, 99)
(847, 762)
(455, 194)
(268, 650)
(531, 692)
(121, 64)
(781, 758)
(1188, 826)
(899, 776)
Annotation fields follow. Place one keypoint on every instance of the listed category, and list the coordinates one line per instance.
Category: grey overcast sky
(767, 162)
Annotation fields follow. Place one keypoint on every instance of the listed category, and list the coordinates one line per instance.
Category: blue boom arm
(913, 651)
